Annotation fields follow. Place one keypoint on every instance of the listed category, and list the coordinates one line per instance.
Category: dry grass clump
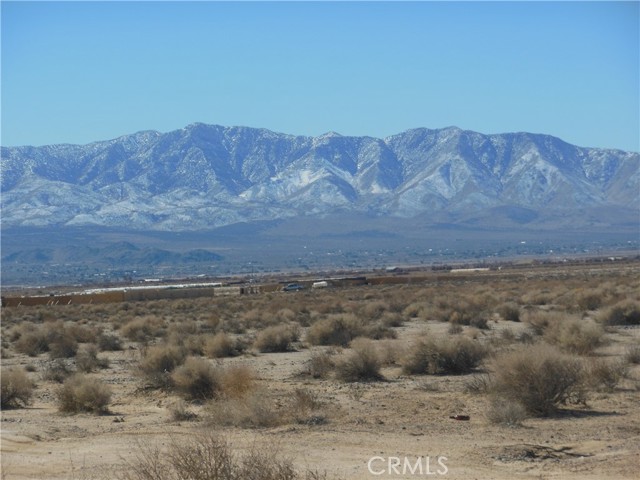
(32, 343)
(210, 457)
(360, 364)
(16, 388)
(180, 412)
(62, 345)
(196, 379)
(237, 381)
(539, 377)
(221, 345)
(606, 375)
(462, 311)
(539, 320)
(448, 355)
(56, 370)
(626, 312)
(87, 359)
(574, 335)
(143, 329)
(278, 338)
(509, 311)
(336, 329)
(320, 364)
(256, 409)
(632, 355)
(81, 393)
(108, 342)
(158, 362)
(53, 337)
(506, 412)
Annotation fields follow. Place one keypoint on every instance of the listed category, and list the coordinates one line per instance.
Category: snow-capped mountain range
(206, 176)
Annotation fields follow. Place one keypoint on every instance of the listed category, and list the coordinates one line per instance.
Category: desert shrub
(87, 359)
(457, 355)
(510, 312)
(505, 411)
(589, 300)
(417, 310)
(278, 338)
(108, 342)
(55, 370)
(361, 363)
(196, 379)
(82, 333)
(539, 377)
(210, 457)
(375, 309)
(254, 410)
(63, 345)
(391, 319)
(632, 354)
(237, 381)
(158, 363)
(81, 393)
(16, 388)
(605, 375)
(461, 311)
(455, 329)
(220, 345)
(574, 335)
(377, 331)
(143, 329)
(477, 384)
(626, 312)
(32, 343)
(305, 407)
(180, 412)
(320, 364)
(337, 329)
(539, 320)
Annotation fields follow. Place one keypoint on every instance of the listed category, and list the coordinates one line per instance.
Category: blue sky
(83, 71)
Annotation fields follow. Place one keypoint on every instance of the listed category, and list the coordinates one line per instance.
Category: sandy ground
(404, 417)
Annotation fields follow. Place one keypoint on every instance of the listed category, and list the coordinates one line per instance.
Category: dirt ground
(367, 425)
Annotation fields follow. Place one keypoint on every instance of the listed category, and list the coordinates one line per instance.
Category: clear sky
(82, 71)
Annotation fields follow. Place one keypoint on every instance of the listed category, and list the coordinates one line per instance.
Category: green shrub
(17, 388)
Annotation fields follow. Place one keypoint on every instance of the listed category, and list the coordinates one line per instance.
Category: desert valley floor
(289, 377)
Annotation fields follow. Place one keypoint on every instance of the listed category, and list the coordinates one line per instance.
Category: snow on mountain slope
(205, 176)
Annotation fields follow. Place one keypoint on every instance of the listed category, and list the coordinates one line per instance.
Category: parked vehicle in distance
(293, 287)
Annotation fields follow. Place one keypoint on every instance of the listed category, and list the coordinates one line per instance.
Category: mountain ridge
(206, 176)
